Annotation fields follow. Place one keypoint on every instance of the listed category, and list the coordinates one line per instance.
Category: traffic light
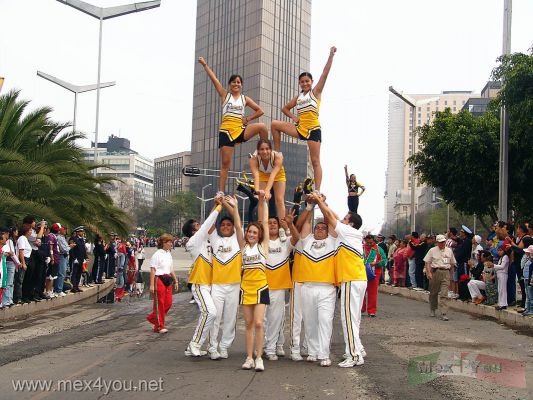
(191, 171)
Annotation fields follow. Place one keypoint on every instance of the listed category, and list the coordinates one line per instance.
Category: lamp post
(243, 198)
(74, 89)
(204, 200)
(504, 120)
(103, 13)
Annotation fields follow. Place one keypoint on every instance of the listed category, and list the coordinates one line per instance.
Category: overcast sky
(419, 46)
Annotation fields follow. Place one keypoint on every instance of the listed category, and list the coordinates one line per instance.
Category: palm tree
(42, 172)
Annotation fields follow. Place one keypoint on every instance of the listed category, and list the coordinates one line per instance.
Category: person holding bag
(162, 277)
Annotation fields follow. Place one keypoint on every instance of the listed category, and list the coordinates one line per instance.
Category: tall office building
(168, 179)
(268, 43)
(398, 179)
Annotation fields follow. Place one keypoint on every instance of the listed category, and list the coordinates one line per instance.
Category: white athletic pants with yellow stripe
(226, 299)
(318, 305)
(296, 318)
(274, 318)
(352, 295)
(208, 312)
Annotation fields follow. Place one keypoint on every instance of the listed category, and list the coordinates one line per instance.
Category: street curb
(88, 296)
(506, 317)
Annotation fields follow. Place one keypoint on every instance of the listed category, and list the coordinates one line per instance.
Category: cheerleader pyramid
(252, 267)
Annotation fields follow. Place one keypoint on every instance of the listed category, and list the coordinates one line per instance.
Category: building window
(445, 102)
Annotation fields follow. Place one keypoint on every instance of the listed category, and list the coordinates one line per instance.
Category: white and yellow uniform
(307, 106)
(227, 263)
(232, 115)
(351, 274)
(201, 275)
(317, 272)
(254, 285)
(264, 172)
(279, 280)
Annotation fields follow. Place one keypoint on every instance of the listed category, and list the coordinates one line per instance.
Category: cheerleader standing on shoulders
(353, 190)
(161, 279)
(235, 127)
(254, 286)
(306, 125)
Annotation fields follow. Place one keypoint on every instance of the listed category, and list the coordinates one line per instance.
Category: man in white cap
(439, 265)
(476, 248)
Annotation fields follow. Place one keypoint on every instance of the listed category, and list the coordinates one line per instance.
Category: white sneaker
(450, 294)
(351, 362)
(363, 352)
(325, 363)
(189, 354)
(61, 294)
(248, 364)
(271, 357)
(259, 366)
(223, 353)
(282, 235)
(432, 313)
(194, 350)
(215, 355)
(311, 359)
(192, 301)
(164, 330)
(279, 351)
(296, 357)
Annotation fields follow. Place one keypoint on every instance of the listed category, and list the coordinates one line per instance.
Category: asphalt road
(105, 344)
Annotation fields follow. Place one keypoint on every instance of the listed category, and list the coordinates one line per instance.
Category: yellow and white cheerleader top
(232, 115)
(307, 106)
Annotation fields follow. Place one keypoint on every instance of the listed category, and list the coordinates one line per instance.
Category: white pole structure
(74, 89)
(204, 200)
(243, 198)
(103, 13)
(504, 121)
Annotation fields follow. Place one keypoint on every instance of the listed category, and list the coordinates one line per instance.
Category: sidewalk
(89, 295)
(508, 317)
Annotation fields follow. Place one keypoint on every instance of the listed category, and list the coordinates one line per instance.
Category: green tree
(459, 153)
(42, 172)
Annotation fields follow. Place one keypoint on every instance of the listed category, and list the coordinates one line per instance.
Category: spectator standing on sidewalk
(63, 260)
(420, 252)
(79, 253)
(99, 264)
(400, 264)
(373, 255)
(35, 267)
(24, 249)
(141, 256)
(4, 234)
(380, 239)
(502, 271)
(413, 242)
(393, 245)
(12, 262)
(528, 278)
(439, 265)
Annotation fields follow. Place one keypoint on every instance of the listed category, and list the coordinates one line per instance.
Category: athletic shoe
(259, 366)
(271, 357)
(279, 351)
(61, 294)
(450, 294)
(311, 359)
(189, 354)
(223, 353)
(363, 353)
(417, 289)
(444, 317)
(296, 357)
(194, 349)
(432, 313)
(351, 362)
(501, 308)
(164, 330)
(249, 363)
(325, 363)
(215, 355)
(372, 315)
(192, 301)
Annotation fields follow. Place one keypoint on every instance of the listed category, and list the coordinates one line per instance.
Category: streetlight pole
(202, 217)
(504, 121)
(102, 13)
(411, 103)
(76, 89)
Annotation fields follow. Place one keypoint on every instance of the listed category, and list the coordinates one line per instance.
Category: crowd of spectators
(487, 268)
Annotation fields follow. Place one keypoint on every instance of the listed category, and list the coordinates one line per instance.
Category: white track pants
(502, 288)
(296, 318)
(275, 317)
(226, 299)
(474, 288)
(352, 295)
(208, 312)
(318, 305)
